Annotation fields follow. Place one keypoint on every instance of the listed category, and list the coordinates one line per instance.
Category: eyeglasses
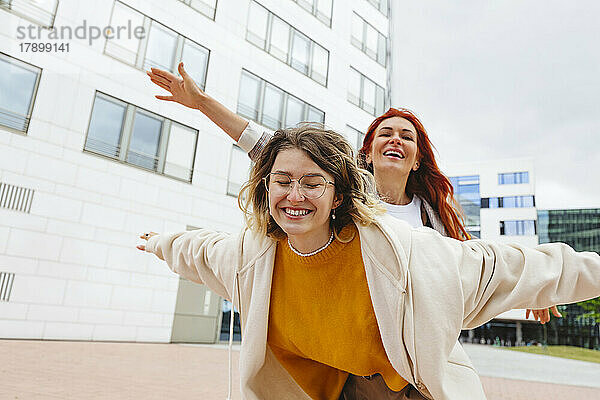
(311, 186)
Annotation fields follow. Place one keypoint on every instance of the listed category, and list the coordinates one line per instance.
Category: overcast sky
(504, 79)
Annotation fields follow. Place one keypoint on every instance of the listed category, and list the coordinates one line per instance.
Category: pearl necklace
(312, 253)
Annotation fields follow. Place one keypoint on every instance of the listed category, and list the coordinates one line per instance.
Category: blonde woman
(411, 187)
(340, 301)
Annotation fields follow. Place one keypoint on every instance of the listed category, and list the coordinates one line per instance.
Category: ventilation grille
(15, 197)
(6, 283)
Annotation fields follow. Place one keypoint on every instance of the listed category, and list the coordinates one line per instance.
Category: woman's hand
(543, 315)
(145, 236)
(183, 89)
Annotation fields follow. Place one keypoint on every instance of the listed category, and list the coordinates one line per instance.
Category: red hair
(428, 182)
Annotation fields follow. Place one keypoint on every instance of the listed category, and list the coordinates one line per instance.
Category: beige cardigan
(424, 288)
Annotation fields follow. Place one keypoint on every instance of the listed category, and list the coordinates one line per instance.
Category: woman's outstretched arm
(184, 91)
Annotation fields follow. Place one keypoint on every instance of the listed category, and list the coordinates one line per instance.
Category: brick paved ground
(94, 370)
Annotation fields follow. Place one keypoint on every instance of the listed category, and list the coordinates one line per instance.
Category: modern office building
(580, 229)
(498, 201)
(89, 158)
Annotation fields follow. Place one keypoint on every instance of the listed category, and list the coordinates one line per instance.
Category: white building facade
(89, 158)
(498, 199)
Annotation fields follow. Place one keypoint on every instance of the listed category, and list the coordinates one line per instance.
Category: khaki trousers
(374, 388)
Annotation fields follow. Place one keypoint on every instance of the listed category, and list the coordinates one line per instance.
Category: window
(518, 228)
(161, 47)
(281, 40)
(466, 192)
(129, 134)
(368, 39)
(272, 107)
(381, 5)
(508, 202)
(365, 93)
(206, 7)
(239, 167)
(513, 178)
(41, 12)
(319, 8)
(160, 51)
(18, 87)
(358, 134)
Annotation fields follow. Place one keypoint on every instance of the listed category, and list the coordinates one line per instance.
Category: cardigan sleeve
(474, 281)
(498, 277)
(253, 139)
(201, 256)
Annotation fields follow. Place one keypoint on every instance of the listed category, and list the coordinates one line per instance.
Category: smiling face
(305, 221)
(394, 148)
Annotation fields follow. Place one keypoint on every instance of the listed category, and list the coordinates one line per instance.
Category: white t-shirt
(410, 212)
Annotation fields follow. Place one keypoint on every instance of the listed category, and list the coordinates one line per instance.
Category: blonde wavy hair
(332, 153)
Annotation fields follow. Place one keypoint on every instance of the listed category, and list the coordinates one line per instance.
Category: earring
(333, 214)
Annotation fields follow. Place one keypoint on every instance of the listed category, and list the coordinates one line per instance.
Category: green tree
(591, 308)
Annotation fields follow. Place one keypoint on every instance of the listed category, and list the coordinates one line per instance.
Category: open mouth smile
(394, 154)
(296, 213)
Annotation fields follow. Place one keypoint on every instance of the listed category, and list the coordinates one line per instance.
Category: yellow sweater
(321, 321)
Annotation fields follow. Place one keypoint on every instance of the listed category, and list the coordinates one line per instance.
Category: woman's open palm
(183, 89)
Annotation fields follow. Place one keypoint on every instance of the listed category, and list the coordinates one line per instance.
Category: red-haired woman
(396, 150)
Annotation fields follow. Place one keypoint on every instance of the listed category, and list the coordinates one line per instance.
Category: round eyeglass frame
(265, 180)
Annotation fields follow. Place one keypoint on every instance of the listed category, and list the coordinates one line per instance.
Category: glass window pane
(315, 115)
(206, 7)
(524, 177)
(124, 47)
(257, 25)
(300, 52)
(181, 148)
(104, 134)
(368, 99)
(272, 107)
(294, 112)
(371, 42)
(383, 7)
(357, 31)
(249, 96)
(162, 43)
(145, 140)
(354, 87)
(306, 4)
(527, 201)
(381, 50)
(196, 62)
(324, 8)
(17, 86)
(509, 202)
(379, 100)
(510, 228)
(239, 167)
(280, 38)
(320, 63)
(529, 227)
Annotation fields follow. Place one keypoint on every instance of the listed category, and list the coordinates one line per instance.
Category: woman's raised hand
(183, 89)
(145, 236)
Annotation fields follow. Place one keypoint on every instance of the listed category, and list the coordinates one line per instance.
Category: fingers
(527, 312)
(159, 78)
(164, 74)
(555, 312)
(141, 247)
(182, 71)
(162, 85)
(545, 316)
(166, 98)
